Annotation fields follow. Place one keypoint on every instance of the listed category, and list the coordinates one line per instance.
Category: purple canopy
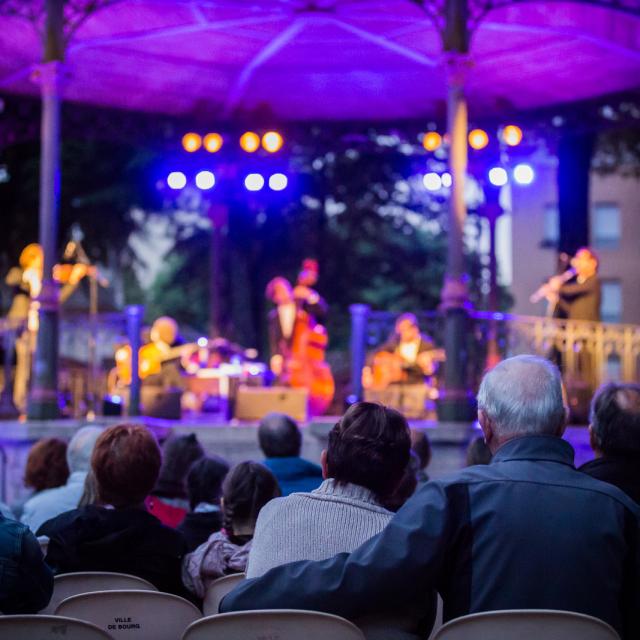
(329, 59)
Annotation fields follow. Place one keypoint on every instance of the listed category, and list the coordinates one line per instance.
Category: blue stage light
(205, 180)
(524, 174)
(498, 177)
(176, 180)
(278, 182)
(432, 181)
(254, 182)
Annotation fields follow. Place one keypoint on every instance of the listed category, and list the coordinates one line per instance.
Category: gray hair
(523, 396)
(81, 447)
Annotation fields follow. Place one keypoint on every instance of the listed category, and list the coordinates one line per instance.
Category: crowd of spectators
(365, 534)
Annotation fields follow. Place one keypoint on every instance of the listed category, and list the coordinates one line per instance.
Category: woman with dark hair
(246, 489)
(122, 537)
(204, 486)
(168, 501)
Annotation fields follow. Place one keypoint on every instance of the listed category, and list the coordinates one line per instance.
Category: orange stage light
(431, 141)
(191, 142)
(512, 135)
(250, 141)
(478, 139)
(272, 141)
(213, 142)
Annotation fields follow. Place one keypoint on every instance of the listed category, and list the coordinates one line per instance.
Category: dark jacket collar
(549, 448)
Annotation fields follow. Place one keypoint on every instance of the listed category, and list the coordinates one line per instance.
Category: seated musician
(412, 357)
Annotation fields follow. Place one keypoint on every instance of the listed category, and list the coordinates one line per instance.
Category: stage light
(278, 182)
(250, 141)
(191, 142)
(432, 141)
(272, 141)
(432, 181)
(524, 174)
(176, 180)
(447, 180)
(254, 182)
(212, 142)
(512, 135)
(203, 342)
(478, 139)
(205, 180)
(498, 176)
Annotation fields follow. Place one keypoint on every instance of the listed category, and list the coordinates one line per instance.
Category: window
(605, 225)
(611, 303)
(551, 226)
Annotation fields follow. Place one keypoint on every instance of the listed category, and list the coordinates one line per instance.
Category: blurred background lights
(254, 182)
(432, 181)
(432, 140)
(447, 181)
(278, 182)
(478, 139)
(176, 180)
(250, 141)
(205, 180)
(498, 176)
(512, 135)
(212, 142)
(524, 174)
(191, 142)
(272, 141)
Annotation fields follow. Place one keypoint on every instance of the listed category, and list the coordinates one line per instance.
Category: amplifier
(253, 403)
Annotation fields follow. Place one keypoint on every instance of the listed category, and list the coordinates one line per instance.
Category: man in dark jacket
(280, 440)
(527, 531)
(26, 582)
(615, 437)
(579, 299)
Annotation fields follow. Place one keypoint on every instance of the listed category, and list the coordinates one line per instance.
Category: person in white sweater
(366, 457)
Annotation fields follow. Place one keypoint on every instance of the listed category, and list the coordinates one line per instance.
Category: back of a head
(523, 396)
(478, 452)
(370, 447)
(615, 419)
(125, 463)
(178, 454)
(204, 480)
(246, 489)
(279, 436)
(47, 464)
(81, 447)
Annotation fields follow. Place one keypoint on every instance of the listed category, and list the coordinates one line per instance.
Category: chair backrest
(73, 584)
(284, 624)
(217, 590)
(137, 615)
(526, 624)
(38, 627)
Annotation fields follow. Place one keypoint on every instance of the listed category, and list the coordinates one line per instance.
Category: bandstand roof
(329, 59)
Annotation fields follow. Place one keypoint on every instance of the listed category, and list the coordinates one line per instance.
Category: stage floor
(237, 441)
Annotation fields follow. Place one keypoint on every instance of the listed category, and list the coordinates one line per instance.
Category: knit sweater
(313, 526)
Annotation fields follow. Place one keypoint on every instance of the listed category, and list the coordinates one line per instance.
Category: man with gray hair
(615, 437)
(52, 502)
(527, 531)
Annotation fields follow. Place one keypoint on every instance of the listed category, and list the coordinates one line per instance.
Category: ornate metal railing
(589, 353)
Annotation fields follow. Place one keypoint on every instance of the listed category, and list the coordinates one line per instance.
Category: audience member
(280, 440)
(246, 489)
(615, 437)
(421, 446)
(123, 537)
(527, 531)
(204, 487)
(51, 502)
(26, 582)
(168, 501)
(478, 452)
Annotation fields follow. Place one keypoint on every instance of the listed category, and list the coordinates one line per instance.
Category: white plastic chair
(37, 627)
(140, 615)
(283, 624)
(73, 584)
(527, 624)
(217, 590)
